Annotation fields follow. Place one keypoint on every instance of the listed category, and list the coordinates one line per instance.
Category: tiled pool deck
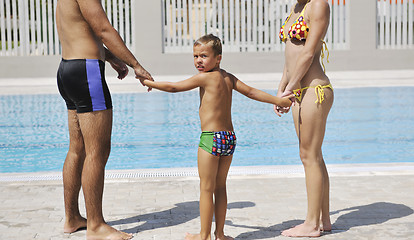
(367, 202)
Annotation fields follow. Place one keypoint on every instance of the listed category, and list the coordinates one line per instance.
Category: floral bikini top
(300, 30)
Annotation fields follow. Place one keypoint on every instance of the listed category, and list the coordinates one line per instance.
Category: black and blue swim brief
(82, 85)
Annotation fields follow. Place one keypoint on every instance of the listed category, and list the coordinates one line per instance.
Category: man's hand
(141, 74)
(119, 66)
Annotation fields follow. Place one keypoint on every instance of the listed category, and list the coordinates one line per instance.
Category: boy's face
(204, 58)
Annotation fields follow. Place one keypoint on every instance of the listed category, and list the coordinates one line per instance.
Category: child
(217, 140)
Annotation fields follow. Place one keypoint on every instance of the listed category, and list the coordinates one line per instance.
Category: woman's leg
(325, 224)
(310, 121)
(220, 197)
(207, 169)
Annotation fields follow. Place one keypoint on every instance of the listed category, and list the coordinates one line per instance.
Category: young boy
(217, 141)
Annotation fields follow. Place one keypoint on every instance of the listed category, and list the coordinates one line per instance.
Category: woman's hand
(279, 110)
(289, 93)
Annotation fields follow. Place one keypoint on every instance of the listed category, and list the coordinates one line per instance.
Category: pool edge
(404, 168)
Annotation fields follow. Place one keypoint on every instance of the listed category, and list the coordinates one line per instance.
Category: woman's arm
(280, 90)
(319, 13)
(283, 83)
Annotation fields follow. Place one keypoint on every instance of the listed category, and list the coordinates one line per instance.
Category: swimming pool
(161, 130)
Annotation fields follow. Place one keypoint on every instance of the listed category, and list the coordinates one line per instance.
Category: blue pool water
(161, 130)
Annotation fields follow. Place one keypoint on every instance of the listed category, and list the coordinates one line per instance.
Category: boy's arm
(181, 86)
(259, 95)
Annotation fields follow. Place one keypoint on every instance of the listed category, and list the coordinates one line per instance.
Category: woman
(303, 32)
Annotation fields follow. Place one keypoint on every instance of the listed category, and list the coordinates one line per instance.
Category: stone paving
(366, 203)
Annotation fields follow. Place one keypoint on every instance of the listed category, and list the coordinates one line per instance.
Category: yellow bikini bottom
(320, 94)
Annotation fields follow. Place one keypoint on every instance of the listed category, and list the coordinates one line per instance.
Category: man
(84, 29)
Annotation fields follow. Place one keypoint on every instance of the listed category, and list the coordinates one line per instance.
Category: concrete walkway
(367, 202)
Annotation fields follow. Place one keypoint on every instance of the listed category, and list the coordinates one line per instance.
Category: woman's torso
(315, 75)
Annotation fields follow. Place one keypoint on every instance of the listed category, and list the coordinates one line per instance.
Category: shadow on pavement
(264, 232)
(371, 214)
(181, 213)
(365, 215)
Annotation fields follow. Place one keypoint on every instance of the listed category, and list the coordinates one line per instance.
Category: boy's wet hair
(211, 40)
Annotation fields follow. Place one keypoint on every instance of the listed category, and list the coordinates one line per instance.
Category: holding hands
(141, 74)
(280, 109)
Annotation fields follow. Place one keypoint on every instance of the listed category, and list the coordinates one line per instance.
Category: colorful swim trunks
(220, 143)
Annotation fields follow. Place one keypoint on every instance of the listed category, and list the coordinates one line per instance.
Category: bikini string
(323, 54)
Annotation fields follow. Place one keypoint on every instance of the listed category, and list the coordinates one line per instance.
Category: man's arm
(95, 16)
(116, 64)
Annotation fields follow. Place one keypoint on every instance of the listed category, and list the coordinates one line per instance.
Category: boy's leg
(207, 170)
(96, 129)
(72, 172)
(220, 197)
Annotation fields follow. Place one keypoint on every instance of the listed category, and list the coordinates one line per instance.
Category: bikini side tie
(323, 54)
(320, 95)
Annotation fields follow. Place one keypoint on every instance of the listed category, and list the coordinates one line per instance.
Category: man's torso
(76, 36)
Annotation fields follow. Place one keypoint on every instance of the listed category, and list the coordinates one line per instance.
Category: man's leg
(72, 172)
(96, 129)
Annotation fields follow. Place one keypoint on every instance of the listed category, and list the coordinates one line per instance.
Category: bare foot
(302, 230)
(108, 233)
(75, 225)
(189, 236)
(224, 238)
(325, 227)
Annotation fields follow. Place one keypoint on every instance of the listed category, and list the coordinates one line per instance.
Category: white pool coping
(339, 79)
(283, 171)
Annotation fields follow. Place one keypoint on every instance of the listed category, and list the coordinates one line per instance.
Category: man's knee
(76, 154)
